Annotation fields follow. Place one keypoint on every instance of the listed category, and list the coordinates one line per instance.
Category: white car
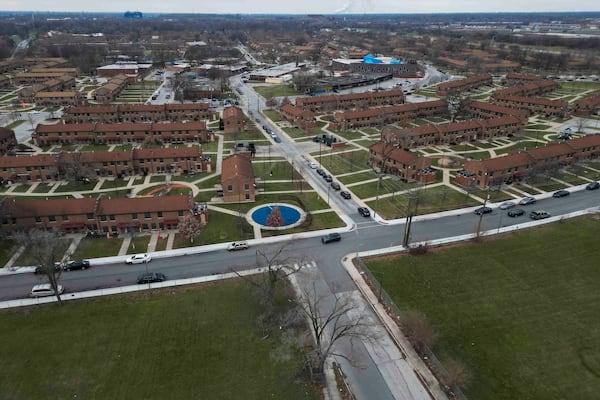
(138, 259)
(313, 165)
(237, 246)
(45, 289)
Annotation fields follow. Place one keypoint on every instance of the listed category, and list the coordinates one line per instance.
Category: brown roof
(91, 109)
(6, 133)
(143, 204)
(27, 161)
(186, 106)
(56, 94)
(292, 110)
(403, 156)
(95, 156)
(85, 127)
(584, 142)
(232, 112)
(179, 126)
(236, 165)
(169, 152)
(550, 150)
(503, 162)
(48, 207)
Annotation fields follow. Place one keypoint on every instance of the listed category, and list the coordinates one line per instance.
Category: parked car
(335, 185)
(328, 178)
(45, 289)
(77, 264)
(320, 171)
(561, 193)
(593, 186)
(539, 214)
(516, 212)
(483, 210)
(507, 204)
(41, 269)
(345, 194)
(138, 259)
(276, 139)
(364, 211)
(243, 245)
(151, 277)
(331, 237)
(527, 200)
(312, 165)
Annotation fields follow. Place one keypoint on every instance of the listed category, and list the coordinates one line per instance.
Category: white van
(237, 246)
(45, 289)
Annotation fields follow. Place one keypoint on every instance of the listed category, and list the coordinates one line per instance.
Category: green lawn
(343, 162)
(97, 247)
(275, 90)
(220, 228)
(197, 342)
(520, 312)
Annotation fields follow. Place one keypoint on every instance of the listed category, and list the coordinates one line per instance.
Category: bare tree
(190, 227)
(46, 248)
(329, 324)
(418, 330)
(455, 375)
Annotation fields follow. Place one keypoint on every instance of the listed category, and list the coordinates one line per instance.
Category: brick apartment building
(404, 164)
(59, 84)
(587, 105)
(111, 90)
(8, 140)
(100, 214)
(522, 163)
(482, 110)
(113, 113)
(58, 99)
(73, 165)
(514, 79)
(298, 117)
(332, 102)
(142, 132)
(535, 105)
(382, 116)
(33, 78)
(463, 85)
(233, 120)
(237, 179)
(536, 88)
(454, 132)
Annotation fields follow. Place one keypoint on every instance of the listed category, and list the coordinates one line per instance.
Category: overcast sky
(300, 7)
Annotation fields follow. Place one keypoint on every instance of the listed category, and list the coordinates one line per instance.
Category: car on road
(335, 186)
(345, 194)
(331, 237)
(312, 165)
(561, 193)
(507, 204)
(276, 139)
(527, 200)
(76, 264)
(151, 277)
(45, 289)
(41, 269)
(364, 211)
(516, 212)
(539, 214)
(243, 245)
(138, 259)
(483, 210)
(320, 171)
(328, 178)
(593, 186)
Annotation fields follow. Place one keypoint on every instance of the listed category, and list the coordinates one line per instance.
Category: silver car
(507, 204)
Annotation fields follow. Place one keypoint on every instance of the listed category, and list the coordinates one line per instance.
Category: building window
(38, 219)
(180, 213)
(134, 216)
(65, 217)
(103, 218)
(112, 217)
(246, 187)
(52, 218)
(230, 188)
(147, 215)
(160, 214)
(90, 216)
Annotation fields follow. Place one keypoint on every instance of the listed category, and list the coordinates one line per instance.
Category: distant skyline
(301, 7)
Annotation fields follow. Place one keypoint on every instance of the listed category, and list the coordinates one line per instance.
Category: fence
(434, 364)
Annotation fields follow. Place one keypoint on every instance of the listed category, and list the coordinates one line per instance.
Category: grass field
(520, 312)
(192, 343)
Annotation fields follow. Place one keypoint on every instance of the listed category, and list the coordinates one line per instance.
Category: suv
(364, 211)
(237, 246)
(593, 186)
(331, 237)
(539, 214)
(45, 289)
